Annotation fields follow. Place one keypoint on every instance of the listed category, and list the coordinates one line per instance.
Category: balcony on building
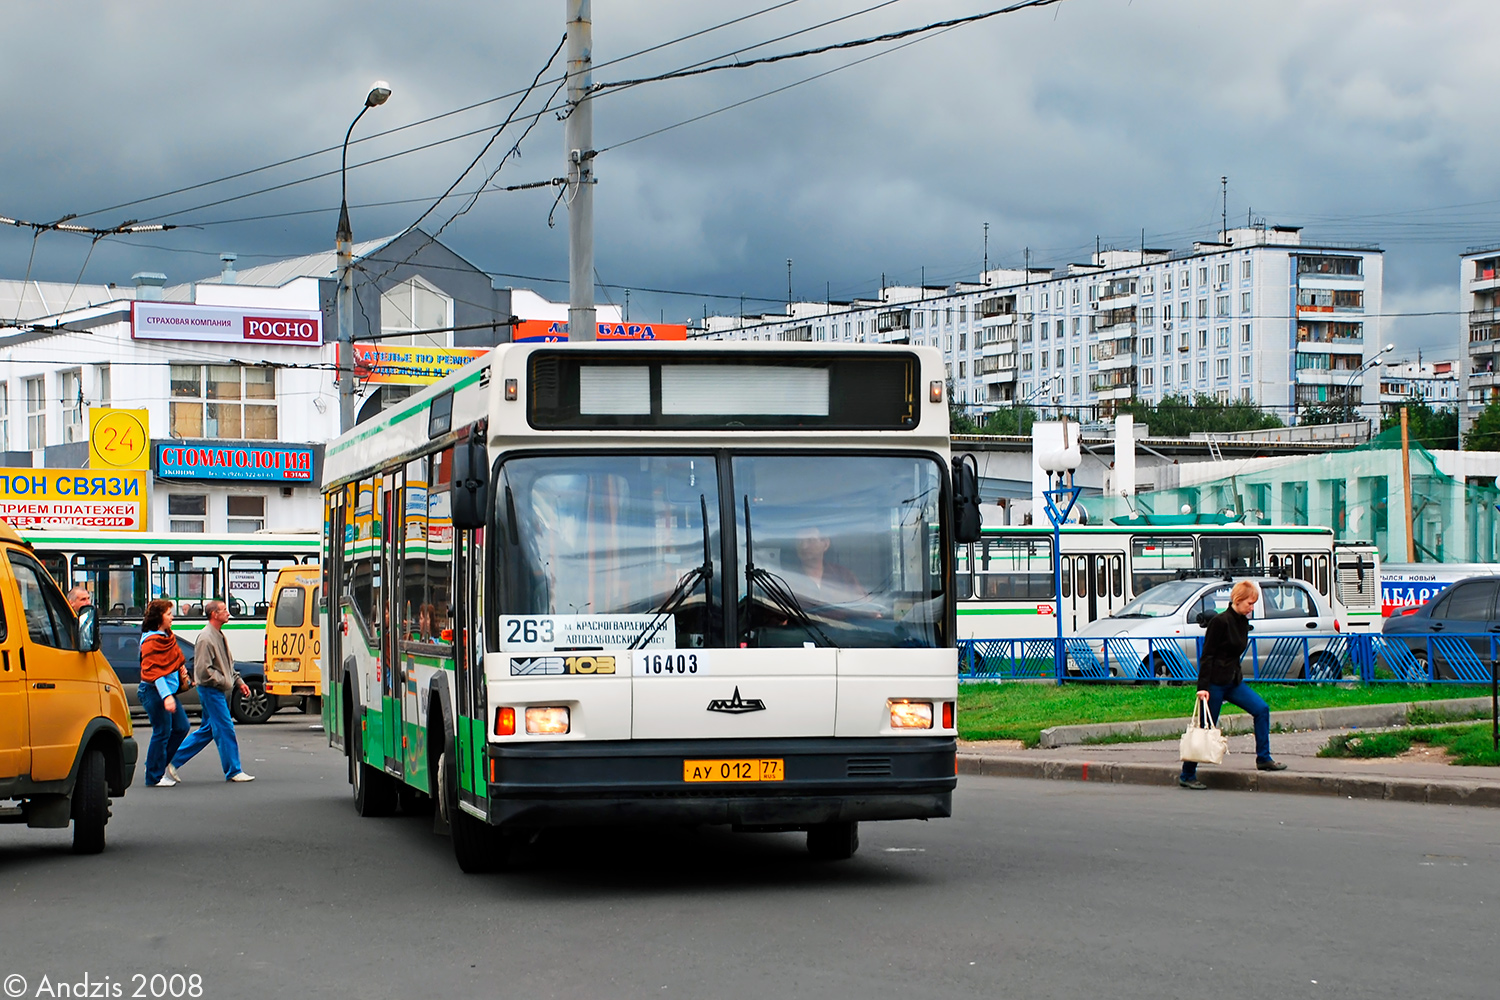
(1106, 320)
(796, 335)
(1118, 383)
(1330, 266)
(1485, 275)
(1316, 301)
(1115, 354)
(994, 370)
(1336, 334)
(1117, 293)
(996, 340)
(997, 305)
(897, 321)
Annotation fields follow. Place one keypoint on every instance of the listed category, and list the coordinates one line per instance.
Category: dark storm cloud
(1091, 118)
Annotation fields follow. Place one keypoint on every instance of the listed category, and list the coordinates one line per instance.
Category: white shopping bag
(1203, 742)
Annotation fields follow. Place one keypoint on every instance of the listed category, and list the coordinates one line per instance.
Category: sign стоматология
(271, 463)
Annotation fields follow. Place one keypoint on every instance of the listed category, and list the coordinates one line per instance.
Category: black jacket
(1224, 642)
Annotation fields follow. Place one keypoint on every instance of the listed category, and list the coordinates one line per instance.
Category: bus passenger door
(1093, 587)
(15, 741)
(469, 725)
(393, 671)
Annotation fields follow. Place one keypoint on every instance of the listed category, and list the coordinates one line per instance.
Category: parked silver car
(1158, 635)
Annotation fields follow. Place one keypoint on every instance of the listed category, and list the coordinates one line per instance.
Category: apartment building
(1432, 382)
(1479, 331)
(1257, 316)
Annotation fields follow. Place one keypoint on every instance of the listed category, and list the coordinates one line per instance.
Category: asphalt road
(1035, 889)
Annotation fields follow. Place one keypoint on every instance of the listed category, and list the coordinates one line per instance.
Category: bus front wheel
(833, 841)
(477, 847)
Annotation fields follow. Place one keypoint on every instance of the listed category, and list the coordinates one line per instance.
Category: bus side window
(1067, 576)
(963, 579)
(1117, 575)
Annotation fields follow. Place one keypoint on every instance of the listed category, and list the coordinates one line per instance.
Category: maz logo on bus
(531, 666)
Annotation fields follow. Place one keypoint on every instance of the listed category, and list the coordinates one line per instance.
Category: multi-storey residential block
(1259, 317)
(1479, 331)
(1432, 382)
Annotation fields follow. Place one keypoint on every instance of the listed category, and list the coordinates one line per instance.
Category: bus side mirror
(966, 518)
(88, 629)
(470, 483)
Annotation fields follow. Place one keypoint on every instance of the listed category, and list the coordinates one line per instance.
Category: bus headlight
(910, 714)
(552, 720)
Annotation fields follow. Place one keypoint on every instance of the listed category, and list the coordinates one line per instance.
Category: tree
(1484, 433)
(1179, 416)
(1432, 429)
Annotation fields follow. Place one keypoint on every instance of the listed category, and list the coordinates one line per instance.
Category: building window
(1045, 297)
(1202, 276)
(1223, 395)
(1166, 343)
(963, 314)
(1042, 358)
(1182, 373)
(36, 413)
(1026, 332)
(1245, 366)
(246, 514)
(1077, 325)
(1026, 362)
(1245, 269)
(1221, 305)
(103, 391)
(1044, 331)
(1148, 316)
(1245, 334)
(1203, 339)
(224, 401)
(1166, 281)
(1222, 336)
(963, 341)
(963, 368)
(1148, 346)
(416, 305)
(1222, 273)
(1059, 357)
(1026, 303)
(1203, 309)
(1166, 375)
(70, 386)
(1077, 353)
(1203, 371)
(1146, 376)
(1245, 395)
(1093, 353)
(1075, 295)
(1077, 384)
(1221, 368)
(1148, 285)
(1166, 312)
(1245, 302)
(187, 512)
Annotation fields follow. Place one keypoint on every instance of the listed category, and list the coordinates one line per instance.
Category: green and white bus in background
(578, 583)
(123, 570)
(1006, 588)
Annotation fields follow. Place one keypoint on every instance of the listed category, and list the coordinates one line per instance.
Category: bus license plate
(286, 666)
(732, 770)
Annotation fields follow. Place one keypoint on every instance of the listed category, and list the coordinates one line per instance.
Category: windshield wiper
(685, 586)
(1134, 614)
(777, 592)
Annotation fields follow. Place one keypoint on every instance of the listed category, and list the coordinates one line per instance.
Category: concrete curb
(1456, 793)
(1363, 716)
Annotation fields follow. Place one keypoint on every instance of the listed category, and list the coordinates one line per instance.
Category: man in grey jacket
(214, 673)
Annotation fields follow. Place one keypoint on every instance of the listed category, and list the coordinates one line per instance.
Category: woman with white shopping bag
(1220, 679)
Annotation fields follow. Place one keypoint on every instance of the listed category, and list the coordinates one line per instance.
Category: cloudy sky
(1366, 121)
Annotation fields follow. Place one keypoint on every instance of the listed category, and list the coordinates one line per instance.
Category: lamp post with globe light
(1375, 362)
(1059, 497)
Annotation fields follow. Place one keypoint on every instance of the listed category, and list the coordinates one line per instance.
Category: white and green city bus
(1006, 587)
(574, 584)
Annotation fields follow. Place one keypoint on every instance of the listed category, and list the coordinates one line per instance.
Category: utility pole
(789, 286)
(1411, 527)
(578, 143)
(985, 272)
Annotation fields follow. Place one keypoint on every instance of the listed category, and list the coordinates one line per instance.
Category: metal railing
(1449, 658)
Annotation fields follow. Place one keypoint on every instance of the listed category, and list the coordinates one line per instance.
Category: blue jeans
(1242, 695)
(217, 726)
(167, 730)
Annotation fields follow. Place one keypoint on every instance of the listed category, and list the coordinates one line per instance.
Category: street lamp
(379, 93)
(1375, 362)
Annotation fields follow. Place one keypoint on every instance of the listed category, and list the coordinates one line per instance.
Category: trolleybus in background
(649, 583)
(125, 570)
(1006, 586)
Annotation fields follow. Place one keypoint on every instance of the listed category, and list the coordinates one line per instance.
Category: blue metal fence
(1374, 659)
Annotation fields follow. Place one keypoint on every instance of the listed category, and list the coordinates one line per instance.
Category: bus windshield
(832, 550)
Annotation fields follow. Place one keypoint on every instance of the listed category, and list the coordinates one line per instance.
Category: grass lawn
(1468, 744)
(1021, 711)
